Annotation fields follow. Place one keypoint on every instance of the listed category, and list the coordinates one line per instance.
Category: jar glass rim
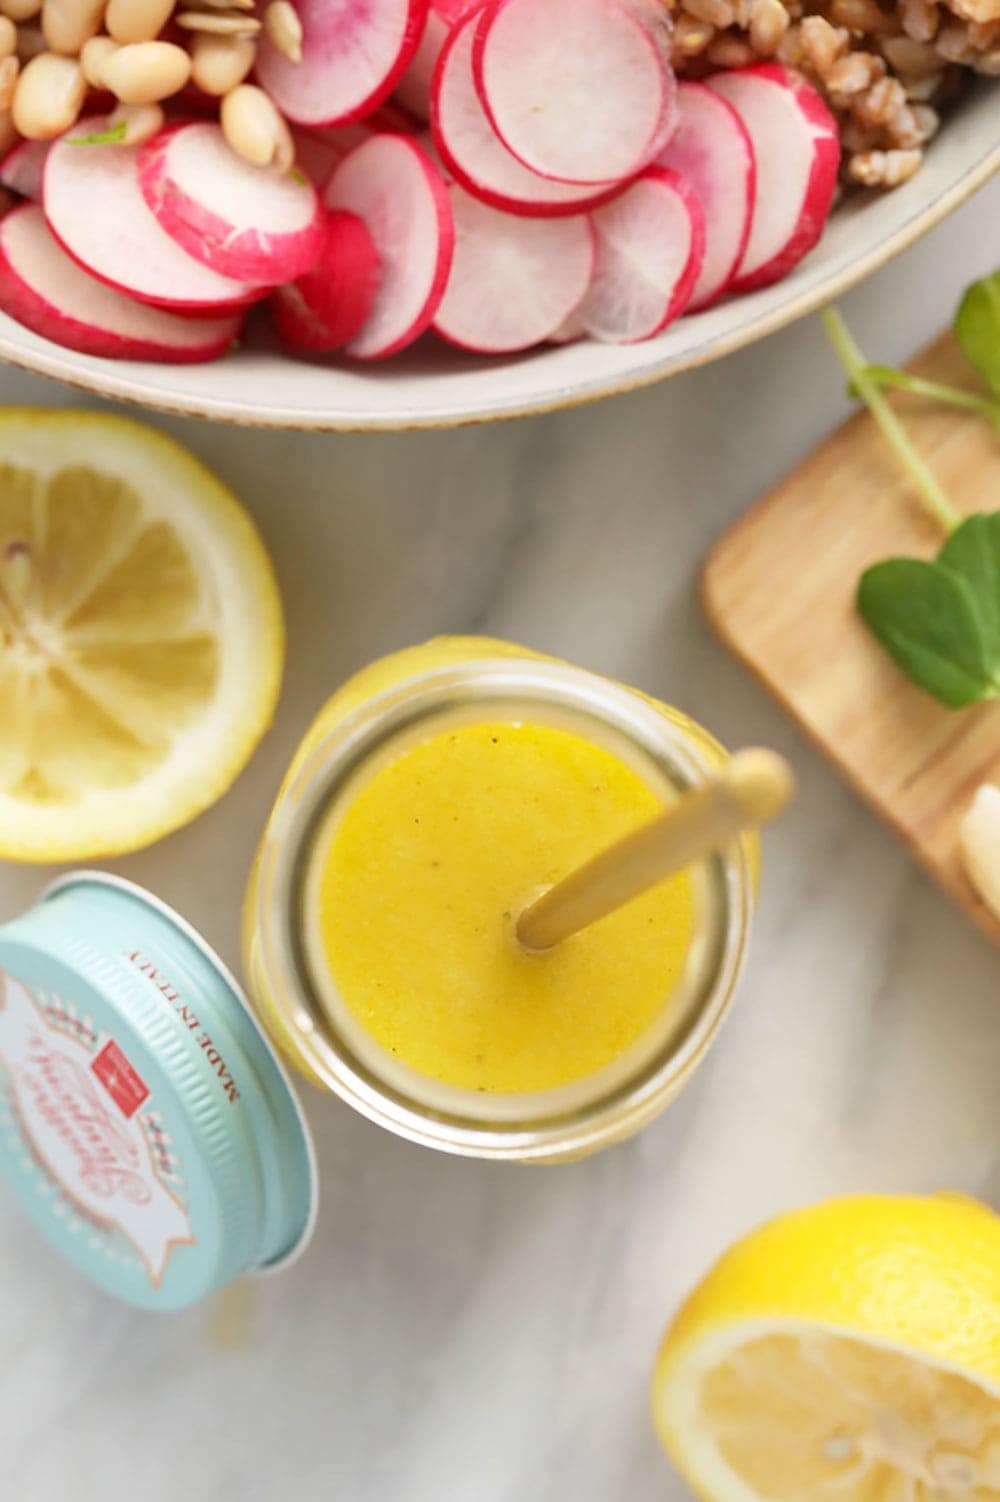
(331, 763)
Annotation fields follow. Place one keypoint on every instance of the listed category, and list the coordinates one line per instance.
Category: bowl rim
(60, 365)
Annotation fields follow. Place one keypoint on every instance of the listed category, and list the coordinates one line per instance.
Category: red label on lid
(127, 1088)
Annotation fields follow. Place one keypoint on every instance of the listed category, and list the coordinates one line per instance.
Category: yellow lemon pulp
(141, 637)
(414, 890)
(849, 1351)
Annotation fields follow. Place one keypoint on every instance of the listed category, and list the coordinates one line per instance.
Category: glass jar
(407, 697)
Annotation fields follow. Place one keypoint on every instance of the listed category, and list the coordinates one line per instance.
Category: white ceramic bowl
(432, 386)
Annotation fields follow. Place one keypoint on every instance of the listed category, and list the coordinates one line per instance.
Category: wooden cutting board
(779, 589)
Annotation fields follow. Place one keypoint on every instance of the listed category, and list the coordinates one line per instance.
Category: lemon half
(141, 636)
(850, 1352)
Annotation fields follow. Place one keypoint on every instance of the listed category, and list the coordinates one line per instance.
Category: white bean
(255, 130)
(8, 37)
(284, 29)
(93, 56)
(137, 20)
(141, 122)
(145, 72)
(49, 96)
(67, 24)
(219, 64)
(21, 10)
(218, 22)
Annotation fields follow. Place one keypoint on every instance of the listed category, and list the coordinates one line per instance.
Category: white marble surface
(470, 1333)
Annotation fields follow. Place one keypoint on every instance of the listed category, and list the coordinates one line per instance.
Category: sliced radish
(475, 155)
(578, 90)
(96, 210)
(48, 292)
(569, 331)
(514, 281)
(414, 88)
(21, 169)
(453, 11)
(796, 145)
(391, 183)
(711, 150)
(354, 52)
(650, 245)
(244, 221)
(319, 149)
(655, 15)
(318, 153)
(330, 305)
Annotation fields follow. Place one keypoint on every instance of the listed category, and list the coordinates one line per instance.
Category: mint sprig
(938, 619)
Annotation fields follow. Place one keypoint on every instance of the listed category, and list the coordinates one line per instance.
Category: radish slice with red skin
(650, 246)
(570, 331)
(21, 169)
(319, 150)
(330, 305)
(797, 150)
(414, 88)
(354, 52)
(95, 209)
(319, 153)
(392, 184)
(514, 281)
(241, 220)
(578, 90)
(453, 11)
(475, 155)
(48, 292)
(712, 152)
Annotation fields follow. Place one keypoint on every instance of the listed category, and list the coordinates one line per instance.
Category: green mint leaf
(926, 618)
(973, 552)
(977, 329)
(111, 137)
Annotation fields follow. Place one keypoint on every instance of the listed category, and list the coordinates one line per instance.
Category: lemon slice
(848, 1352)
(141, 636)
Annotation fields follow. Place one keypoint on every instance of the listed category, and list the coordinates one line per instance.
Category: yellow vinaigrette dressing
(412, 891)
(437, 794)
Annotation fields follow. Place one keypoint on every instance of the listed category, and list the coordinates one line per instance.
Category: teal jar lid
(146, 1123)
